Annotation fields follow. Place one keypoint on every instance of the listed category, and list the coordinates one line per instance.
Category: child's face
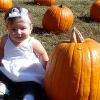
(19, 30)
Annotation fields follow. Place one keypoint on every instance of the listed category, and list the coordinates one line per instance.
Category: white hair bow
(23, 13)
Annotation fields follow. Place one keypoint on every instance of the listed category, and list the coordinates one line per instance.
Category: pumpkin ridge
(55, 68)
(59, 20)
(92, 73)
(51, 78)
(56, 16)
(91, 70)
(56, 64)
(53, 74)
(79, 76)
(62, 22)
(65, 49)
(74, 45)
(83, 73)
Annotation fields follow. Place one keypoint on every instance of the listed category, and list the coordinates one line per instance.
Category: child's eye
(23, 28)
(13, 29)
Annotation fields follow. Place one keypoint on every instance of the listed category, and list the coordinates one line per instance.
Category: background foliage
(83, 22)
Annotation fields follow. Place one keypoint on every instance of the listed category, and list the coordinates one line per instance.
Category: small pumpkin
(95, 11)
(58, 19)
(45, 2)
(73, 70)
(5, 4)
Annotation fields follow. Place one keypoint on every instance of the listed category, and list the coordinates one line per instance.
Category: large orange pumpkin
(58, 19)
(73, 71)
(45, 2)
(5, 4)
(95, 11)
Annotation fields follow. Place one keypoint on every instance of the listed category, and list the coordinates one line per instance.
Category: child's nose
(19, 31)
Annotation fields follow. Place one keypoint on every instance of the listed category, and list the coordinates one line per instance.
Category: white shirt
(21, 63)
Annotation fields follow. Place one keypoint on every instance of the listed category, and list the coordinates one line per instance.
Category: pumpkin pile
(5, 4)
(58, 19)
(73, 71)
(95, 11)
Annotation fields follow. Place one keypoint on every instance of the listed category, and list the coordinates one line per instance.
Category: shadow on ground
(85, 18)
(29, 2)
(39, 30)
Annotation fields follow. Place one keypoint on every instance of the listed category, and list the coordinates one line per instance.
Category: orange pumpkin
(58, 19)
(5, 4)
(95, 11)
(45, 2)
(73, 71)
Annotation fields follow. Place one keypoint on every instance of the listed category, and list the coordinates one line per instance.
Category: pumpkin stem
(76, 36)
(73, 36)
(61, 6)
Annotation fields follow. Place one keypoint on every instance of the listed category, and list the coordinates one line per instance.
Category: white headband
(23, 13)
